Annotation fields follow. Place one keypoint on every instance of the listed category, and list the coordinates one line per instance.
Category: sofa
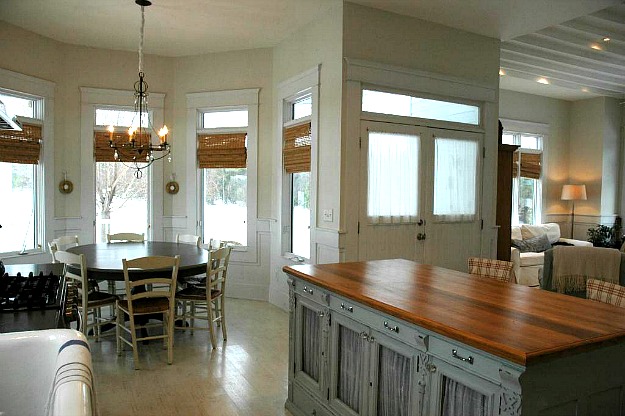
(529, 242)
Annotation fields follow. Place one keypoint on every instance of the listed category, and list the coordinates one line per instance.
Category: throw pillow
(552, 230)
(532, 245)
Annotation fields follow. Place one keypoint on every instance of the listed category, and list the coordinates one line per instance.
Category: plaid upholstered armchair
(495, 269)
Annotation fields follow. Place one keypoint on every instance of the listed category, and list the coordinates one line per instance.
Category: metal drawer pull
(309, 291)
(391, 328)
(348, 308)
(468, 359)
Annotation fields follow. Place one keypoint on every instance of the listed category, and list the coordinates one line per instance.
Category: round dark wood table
(104, 260)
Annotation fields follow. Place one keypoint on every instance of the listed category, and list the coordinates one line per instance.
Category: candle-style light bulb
(111, 130)
(162, 133)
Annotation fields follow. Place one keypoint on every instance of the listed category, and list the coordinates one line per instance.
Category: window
(409, 106)
(20, 175)
(296, 148)
(222, 157)
(393, 177)
(526, 184)
(455, 183)
(121, 199)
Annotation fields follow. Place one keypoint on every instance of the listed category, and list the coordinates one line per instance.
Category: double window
(527, 186)
(21, 174)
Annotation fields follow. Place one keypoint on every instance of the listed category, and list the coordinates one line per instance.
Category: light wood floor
(247, 375)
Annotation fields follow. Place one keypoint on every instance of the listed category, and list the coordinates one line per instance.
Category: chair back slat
(189, 239)
(76, 261)
(217, 267)
(125, 238)
(140, 269)
(62, 243)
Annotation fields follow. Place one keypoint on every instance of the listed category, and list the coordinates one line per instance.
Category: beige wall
(557, 114)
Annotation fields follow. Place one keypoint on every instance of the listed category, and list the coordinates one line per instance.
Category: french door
(419, 194)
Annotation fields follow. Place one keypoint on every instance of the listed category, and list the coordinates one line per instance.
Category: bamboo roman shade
(222, 150)
(21, 146)
(296, 148)
(102, 149)
(530, 164)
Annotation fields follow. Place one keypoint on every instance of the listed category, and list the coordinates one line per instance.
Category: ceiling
(541, 38)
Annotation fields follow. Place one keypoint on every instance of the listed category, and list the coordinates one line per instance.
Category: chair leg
(165, 328)
(97, 319)
(170, 337)
(211, 328)
(192, 316)
(133, 337)
(118, 322)
(222, 317)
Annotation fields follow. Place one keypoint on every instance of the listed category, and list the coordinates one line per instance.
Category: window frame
(289, 92)
(42, 92)
(517, 127)
(197, 104)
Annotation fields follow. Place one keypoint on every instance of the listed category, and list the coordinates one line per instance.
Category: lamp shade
(573, 192)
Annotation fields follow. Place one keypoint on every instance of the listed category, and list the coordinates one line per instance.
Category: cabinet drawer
(466, 358)
(383, 323)
(312, 292)
(306, 402)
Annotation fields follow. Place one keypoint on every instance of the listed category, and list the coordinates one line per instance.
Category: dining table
(104, 260)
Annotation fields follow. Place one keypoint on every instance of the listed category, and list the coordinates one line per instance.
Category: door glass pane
(455, 179)
(311, 338)
(300, 219)
(225, 205)
(17, 214)
(350, 367)
(393, 177)
(393, 383)
(121, 200)
(460, 400)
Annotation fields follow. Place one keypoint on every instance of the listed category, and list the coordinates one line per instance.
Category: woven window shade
(21, 146)
(102, 150)
(296, 148)
(531, 164)
(221, 150)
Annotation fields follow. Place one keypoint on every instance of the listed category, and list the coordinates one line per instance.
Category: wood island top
(514, 322)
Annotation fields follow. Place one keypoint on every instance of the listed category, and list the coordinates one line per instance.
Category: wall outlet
(327, 215)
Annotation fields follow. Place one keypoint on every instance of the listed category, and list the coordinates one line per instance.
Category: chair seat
(146, 305)
(196, 293)
(96, 299)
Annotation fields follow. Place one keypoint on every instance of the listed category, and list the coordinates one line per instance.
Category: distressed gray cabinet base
(350, 356)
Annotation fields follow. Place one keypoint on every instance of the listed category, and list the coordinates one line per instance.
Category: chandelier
(138, 152)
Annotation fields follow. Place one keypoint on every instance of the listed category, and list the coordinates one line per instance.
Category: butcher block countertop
(517, 323)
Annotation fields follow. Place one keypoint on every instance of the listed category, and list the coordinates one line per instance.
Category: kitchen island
(398, 337)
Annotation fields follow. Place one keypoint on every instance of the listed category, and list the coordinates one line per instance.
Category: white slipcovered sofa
(527, 265)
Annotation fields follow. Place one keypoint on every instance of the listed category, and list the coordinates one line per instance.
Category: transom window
(119, 117)
(411, 106)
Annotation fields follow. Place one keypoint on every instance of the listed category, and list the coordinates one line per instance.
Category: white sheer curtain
(311, 337)
(393, 178)
(455, 180)
(393, 383)
(460, 400)
(350, 372)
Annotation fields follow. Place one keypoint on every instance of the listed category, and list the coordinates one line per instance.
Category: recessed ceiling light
(501, 72)
(543, 81)
(606, 39)
(596, 47)
(585, 90)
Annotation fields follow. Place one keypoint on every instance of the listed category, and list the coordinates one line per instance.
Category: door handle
(421, 236)
(421, 222)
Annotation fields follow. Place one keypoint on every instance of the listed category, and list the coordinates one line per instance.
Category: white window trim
(92, 98)
(288, 92)
(39, 88)
(209, 101)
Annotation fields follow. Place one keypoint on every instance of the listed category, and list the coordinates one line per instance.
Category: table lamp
(573, 193)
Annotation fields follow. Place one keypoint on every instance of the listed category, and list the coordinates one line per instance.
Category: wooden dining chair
(62, 243)
(495, 269)
(140, 301)
(125, 238)
(189, 239)
(90, 299)
(207, 302)
(606, 292)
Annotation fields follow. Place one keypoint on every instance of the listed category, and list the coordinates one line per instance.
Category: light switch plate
(327, 215)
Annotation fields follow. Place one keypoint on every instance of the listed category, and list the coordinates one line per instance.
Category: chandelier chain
(141, 39)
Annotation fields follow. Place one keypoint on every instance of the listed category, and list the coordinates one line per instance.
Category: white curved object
(46, 372)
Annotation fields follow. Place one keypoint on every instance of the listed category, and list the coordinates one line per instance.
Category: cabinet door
(393, 379)
(310, 345)
(349, 360)
(455, 392)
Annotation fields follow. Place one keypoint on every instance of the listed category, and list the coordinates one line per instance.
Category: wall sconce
(65, 186)
(172, 186)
